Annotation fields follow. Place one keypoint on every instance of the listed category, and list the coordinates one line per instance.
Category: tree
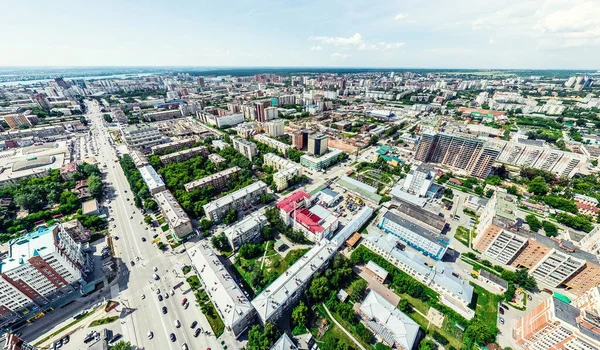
(319, 288)
(364, 333)
(249, 251)
(122, 345)
(533, 222)
(550, 229)
(148, 219)
(205, 224)
(404, 306)
(373, 140)
(538, 186)
(230, 217)
(480, 332)
(428, 344)
(262, 338)
(220, 242)
(493, 180)
(489, 193)
(95, 186)
(512, 190)
(359, 287)
(300, 315)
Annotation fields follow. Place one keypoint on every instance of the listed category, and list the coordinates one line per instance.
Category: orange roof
(350, 242)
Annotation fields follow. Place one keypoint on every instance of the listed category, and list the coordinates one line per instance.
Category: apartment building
(238, 200)
(286, 170)
(229, 300)
(40, 269)
(557, 325)
(275, 128)
(142, 136)
(533, 155)
(179, 222)
(459, 151)
(278, 145)
(172, 146)
(246, 231)
(318, 144)
(216, 159)
(139, 159)
(454, 292)
(184, 155)
(300, 138)
(322, 162)
(154, 182)
(419, 180)
(271, 113)
(217, 180)
(246, 148)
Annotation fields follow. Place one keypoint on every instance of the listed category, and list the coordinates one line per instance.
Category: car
(157, 290)
(143, 239)
(197, 332)
(194, 324)
(184, 346)
(156, 277)
(115, 338)
(116, 238)
(131, 217)
(58, 344)
(155, 236)
(155, 269)
(143, 297)
(501, 320)
(177, 323)
(132, 263)
(127, 198)
(501, 310)
(504, 306)
(150, 335)
(172, 337)
(184, 301)
(160, 298)
(65, 339)
(125, 191)
(185, 306)
(164, 310)
(166, 295)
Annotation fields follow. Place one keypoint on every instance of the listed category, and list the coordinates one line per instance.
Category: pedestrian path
(343, 329)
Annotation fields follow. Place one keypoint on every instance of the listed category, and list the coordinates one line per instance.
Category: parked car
(184, 301)
(194, 324)
(164, 310)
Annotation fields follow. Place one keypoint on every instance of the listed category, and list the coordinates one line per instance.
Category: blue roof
(158, 105)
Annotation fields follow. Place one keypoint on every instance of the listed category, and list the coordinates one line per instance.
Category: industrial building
(246, 231)
(217, 180)
(238, 200)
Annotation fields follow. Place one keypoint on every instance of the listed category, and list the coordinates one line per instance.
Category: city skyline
(553, 34)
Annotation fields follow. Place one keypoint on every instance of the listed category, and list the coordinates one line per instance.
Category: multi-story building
(217, 180)
(286, 170)
(459, 151)
(260, 107)
(154, 182)
(228, 120)
(216, 159)
(246, 148)
(172, 146)
(142, 136)
(40, 269)
(180, 224)
(454, 292)
(417, 228)
(322, 162)
(554, 324)
(16, 120)
(419, 180)
(246, 231)
(162, 115)
(278, 145)
(315, 221)
(42, 101)
(275, 128)
(271, 113)
(229, 300)
(317, 144)
(139, 159)
(186, 154)
(533, 155)
(238, 200)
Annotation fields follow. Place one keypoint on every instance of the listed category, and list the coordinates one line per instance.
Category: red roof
(309, 220)
(587, 207)
(287, 204)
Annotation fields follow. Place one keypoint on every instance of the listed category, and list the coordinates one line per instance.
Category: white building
(271, 113)
(238, 200)
(278, 145)
(322, 162)
(286, 170)
(179, 222)
(142, 136)
(247, 230)
(246, 148)
(419, 180)
(154, 182)
(275, 128)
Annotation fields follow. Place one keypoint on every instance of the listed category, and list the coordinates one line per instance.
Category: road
(138, 292)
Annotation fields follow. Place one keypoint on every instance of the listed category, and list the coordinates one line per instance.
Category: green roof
(506, 206)
(384, 149)
(562, 298)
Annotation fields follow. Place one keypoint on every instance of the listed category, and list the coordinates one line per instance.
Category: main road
(140, 260)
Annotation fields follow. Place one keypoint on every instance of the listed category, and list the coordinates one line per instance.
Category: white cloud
(400, 17)
(338, 55)
(356, 41)
(316, 48)
(491, 41)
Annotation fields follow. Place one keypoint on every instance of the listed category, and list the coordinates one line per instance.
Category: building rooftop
(226, 295)
(376, 269)
(389, 322)
(315, 219)
(230, 198)
(360, 188)
(425, 216)
(352, 226)
(506, 206)
(211, 178)
(89, 206)
(174, 213)
(413, 226)
(36, 243)
(198, 149)
(284, 343)
(291, 202)
(248, 223)
(151, 177)
(268, 302)
(493, 277)
(175, 143)
(333, 153)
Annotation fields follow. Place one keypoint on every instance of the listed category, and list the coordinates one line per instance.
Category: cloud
(356, 42)
(491, 41)
(338, 55)
(316, 48)
(400, 17)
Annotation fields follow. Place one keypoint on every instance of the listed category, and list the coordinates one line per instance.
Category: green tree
(428, 344)
(533, 222)
(319, 288)
(480, 332)
(220, 242)
(260, 338)
(373, 140)
(122, 345)
(230, 217)
(364, 333)
(147, 219)
(95, 186)
(359, 287)
(404, 306)
(550, 229)
(300, 315)
(538, 186)
(205, 224)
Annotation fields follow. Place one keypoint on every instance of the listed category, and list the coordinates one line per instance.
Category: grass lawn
(194, 282)
(102, 321)
(487, 304)
(333, 331)
(208, 309)
(462, 235)
(416, 303)
(423, 322)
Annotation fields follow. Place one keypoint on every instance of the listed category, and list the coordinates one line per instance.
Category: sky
(478, 34)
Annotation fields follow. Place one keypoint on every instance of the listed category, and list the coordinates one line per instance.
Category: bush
(533, 222)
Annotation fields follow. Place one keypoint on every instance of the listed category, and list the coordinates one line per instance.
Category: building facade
(246, 148)
(238, 200)
(318, 144)
(217, 180)
(246, 231)
(179, 222)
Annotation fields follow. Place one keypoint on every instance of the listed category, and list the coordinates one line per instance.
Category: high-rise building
(271, 113)
(298, 139)
(463, 152)
(275, 128)
(317, 144)
(42, 101)
(260, 107)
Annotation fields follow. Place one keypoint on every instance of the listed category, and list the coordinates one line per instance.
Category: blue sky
(419, 33)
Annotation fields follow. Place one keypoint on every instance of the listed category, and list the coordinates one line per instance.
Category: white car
(155, 268)
(156, 277)
(150, 335)
(177, 323)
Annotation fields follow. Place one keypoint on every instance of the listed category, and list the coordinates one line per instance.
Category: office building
(246, 148)
(390, 324)
(286, 170)
(323, 162)
(154, 182)
(280, 296)
(454, 292)
(180, 224)
(42, 101)
(217, 180)
(278, 145)
(40, 269)
(246, 231)
(458, 151)
(142, 136)
(184, 155)
(238, 200)
(554, 324)
(271, 113)
(317, 144)
(275, 128)
(229, 300)
(315, 221)
(419, 180)
(172, 146)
